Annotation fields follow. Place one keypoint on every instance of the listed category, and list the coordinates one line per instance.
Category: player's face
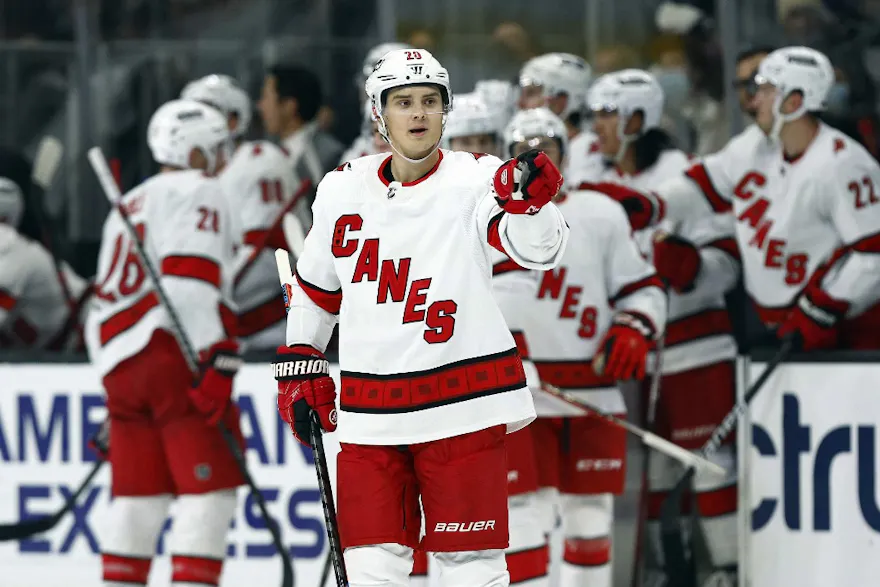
(745, 83)
(414, 119)
(484, 143)
(546, 144)
(270, 106)
(605, 125)
(531, 97)
(764, 101)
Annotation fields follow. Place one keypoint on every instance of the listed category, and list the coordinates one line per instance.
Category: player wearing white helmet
(163, 433)
(501, 97)
(471, 126)
(258, 182)
(369, 142)
(590, 325)
(560, 82)
(810, 281)
(370, 59)
(35, 310)
(700, 265)
(431, 382)
(223, 93)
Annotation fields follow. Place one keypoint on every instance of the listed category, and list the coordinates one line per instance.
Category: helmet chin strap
(625, 139)
(383, 130)
(779, 119)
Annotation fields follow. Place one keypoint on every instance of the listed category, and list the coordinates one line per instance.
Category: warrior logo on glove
(525, 184)
(305, 387)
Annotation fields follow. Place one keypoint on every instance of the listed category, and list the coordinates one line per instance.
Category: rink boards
(809, 514)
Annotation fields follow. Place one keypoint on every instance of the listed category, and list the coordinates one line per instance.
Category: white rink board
(47, 413)
(813, 489)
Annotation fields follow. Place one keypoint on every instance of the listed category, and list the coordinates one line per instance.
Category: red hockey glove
(525, 184)
(624, 350)
(677, 260)
(643, 209)
(212, 394)
(304, 385)
(813, 320)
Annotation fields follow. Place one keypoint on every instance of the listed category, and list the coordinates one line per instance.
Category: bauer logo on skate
(813, 487)
(47, 415)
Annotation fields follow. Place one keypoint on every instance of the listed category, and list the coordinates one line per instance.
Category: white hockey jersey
(360, 147)
(698, 330)
(258, 182)
(602, 272)
(584, 159)
(186, 229)
(424, 350)
(817, 216)
(34, 312)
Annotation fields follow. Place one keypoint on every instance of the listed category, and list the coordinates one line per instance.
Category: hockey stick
(28, 528)
(650, 439)
(650, 416)
(285, 276)
(293, 234)
(111, 191)
(261, 245)
(679, 563)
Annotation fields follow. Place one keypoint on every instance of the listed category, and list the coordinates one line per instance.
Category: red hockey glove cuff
(643, 209)
(524, 185)
(624, 350)
(304, 387)
(813, 321)
(677, 260)
(212, 394)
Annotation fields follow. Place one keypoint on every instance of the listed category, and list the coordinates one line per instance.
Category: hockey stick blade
(46, 161)
(293, 234)
(282, 262)
(29, 528)
(652, 440)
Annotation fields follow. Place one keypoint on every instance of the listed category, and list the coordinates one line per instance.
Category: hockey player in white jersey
(699, 265)
(471, 127)
(501, 97)
(35, 312)
(591, 323)
(163, 435)
(258, 182)
(369, 142)
(559, 81)
(804, 198)
(431, 381)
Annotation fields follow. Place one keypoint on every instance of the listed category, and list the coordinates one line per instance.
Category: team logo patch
(333, 417)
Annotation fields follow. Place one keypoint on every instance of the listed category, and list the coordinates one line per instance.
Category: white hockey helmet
(470, 117)
(373, 57)
(500, 97)
(629, 91)
(559, 73)
(11, 202)
(535, 123)
(406, 67)
(797, 69)
(179, 126)
(223, 93)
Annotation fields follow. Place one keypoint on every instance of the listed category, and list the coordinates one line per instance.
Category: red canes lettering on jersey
(793, 264)
(392, 278)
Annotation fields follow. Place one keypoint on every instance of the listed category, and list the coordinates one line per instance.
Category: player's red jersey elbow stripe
(587, 552)
(700, 176)
(420, 390)
(717, 502)
(127, 318)
(266, 239)
(200, 268)
(696, 326)
(727, 245)
(506, 266)
(329, 301)
(631, 288)
(262, 317)
(494, 237)
(7, 300)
